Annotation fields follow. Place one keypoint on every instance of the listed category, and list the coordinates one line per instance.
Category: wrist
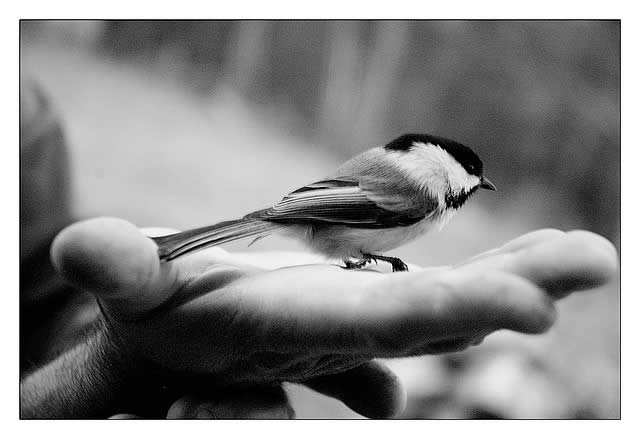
(138, 386)
(91, 380)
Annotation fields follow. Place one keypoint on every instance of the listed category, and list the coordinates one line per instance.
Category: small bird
(375, 202)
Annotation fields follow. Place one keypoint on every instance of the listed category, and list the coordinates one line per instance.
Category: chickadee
(378, 200)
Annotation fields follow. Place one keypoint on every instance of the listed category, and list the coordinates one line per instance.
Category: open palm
(216, 314)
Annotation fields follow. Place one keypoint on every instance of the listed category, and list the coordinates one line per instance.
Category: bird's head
(445, 168)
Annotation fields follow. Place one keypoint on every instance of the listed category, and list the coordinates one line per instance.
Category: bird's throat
(455, 200)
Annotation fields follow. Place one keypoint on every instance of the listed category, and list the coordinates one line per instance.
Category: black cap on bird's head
(468, 159)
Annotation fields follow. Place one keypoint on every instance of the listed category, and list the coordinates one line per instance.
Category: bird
(378, 200)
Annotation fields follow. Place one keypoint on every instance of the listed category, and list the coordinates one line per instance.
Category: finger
(523, 241)
(532, 238)
(565, 263)
(447, 312)
(112, 259)
(259, 403)
(330, 310)
(371, 390)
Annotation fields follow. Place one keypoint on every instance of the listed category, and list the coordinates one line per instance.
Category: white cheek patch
(435, 170)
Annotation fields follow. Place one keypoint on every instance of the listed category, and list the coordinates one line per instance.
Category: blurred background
(182, 124)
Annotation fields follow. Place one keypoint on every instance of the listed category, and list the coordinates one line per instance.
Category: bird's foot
(396, 263)
(357, 264)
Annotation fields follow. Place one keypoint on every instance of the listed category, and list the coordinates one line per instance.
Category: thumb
(112, 259)
(371, 390)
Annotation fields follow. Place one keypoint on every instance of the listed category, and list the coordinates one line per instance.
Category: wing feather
(347, 201)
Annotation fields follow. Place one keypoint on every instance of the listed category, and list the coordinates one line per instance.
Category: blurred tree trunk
(247, 51)
(383, 72)
(343, 74)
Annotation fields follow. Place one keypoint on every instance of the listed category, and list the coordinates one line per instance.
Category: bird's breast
(340, 241)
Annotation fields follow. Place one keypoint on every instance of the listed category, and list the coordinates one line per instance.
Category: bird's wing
(347, 201)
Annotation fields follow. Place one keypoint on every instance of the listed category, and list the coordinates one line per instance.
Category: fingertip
(527, 308)
(494, 299)
(104, 255)
(563, 262)
(388, 398)
(603, 260)
(396, 394)
(578, 261)
(372, 390)
(542, 317)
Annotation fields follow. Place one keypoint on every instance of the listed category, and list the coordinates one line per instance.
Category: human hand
(214, 314)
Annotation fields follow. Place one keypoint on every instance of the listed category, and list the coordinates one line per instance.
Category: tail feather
(183, 243)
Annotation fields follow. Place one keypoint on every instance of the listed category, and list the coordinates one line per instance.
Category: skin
(216, 328)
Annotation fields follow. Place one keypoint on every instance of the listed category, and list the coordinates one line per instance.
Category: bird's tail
(183, 243)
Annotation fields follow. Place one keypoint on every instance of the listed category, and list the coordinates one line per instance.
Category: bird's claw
(398, 265)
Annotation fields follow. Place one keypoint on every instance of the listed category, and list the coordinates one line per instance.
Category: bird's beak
(485, 183)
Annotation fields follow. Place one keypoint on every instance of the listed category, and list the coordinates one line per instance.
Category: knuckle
(442, 290)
